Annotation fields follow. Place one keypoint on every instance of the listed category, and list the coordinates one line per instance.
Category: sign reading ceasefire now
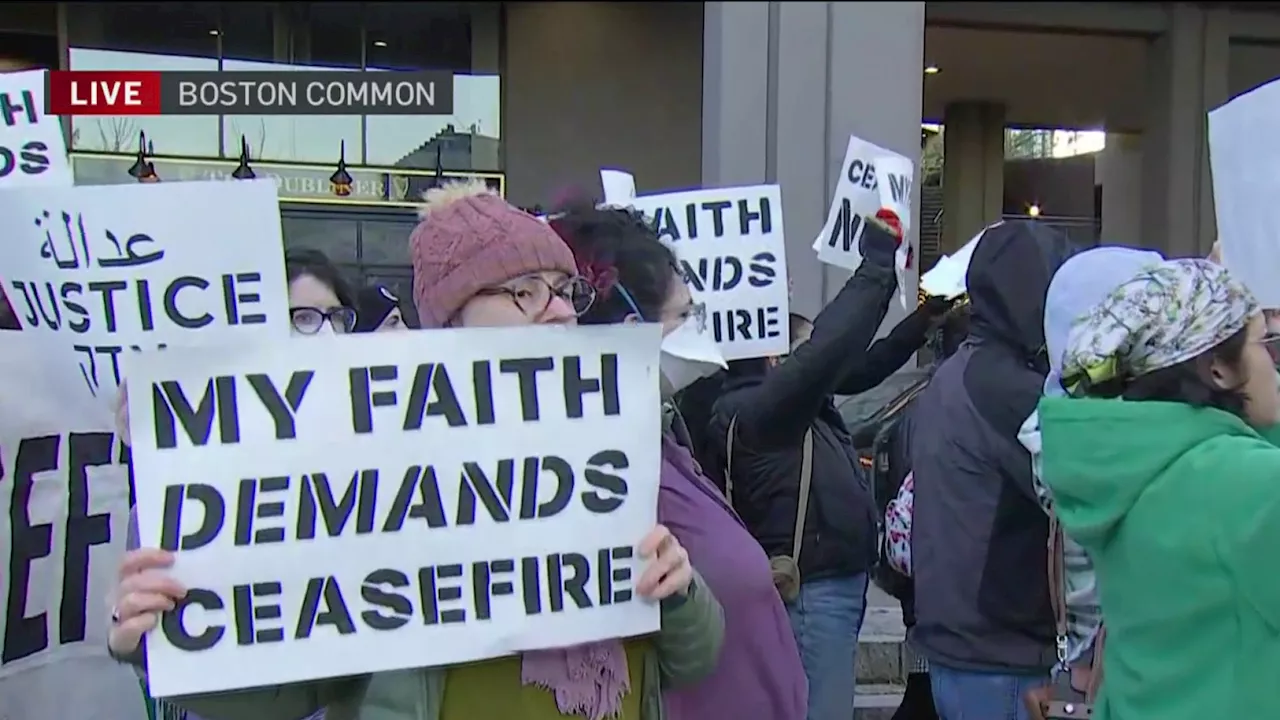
(94, 92)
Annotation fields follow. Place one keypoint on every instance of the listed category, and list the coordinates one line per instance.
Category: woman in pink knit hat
(479, 262)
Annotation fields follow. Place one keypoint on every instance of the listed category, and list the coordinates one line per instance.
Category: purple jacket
(759, 675)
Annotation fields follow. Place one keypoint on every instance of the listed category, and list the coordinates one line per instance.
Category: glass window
(322, 36)
(144, 36)
(334, 237)
(444, 36)
(385, 242)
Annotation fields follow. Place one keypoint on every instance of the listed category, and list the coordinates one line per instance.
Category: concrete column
(1188, 72)
(785, 84)
(1118, 170)
(972, 170)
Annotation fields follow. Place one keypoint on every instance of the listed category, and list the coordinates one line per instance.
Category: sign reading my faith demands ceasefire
(397, 500)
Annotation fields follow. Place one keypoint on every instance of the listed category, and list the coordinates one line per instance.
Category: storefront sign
(296, 183)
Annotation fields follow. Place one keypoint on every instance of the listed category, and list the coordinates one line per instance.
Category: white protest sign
(356, 504)
(619, 186)
(64, 497)
(33, 151)
(871, 178)
(948, 278)
(730, 245)
(111, 267)
(1244, 154)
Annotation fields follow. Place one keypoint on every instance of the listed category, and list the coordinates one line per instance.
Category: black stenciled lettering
(576, 387)
(335, 612)
(608, 576)
(83, 531)
(249, 509)
(248, 611)
(214, 515)
(283, 408)
(364, 399)
(171, 303)
(665, 225)
(533, 473)
(900, 189)
(35, 307)
(527, 369)
(495, 495)
(532, 586)
(736, 324)
(609, 490)
(574, 585)
(32, 158)
(484, 586)
(847, 228)
(727, 272)
(716, 208)
(862, 174)
(146, 314)
(317, 494)
(26, 635)
(107, 290)
(748, 215)
(376, 591)
(234, 298)
(77, 314)
(16, 107)
(433, 593)
(429, 506)
(762, 271)
(482, 378)
(172, 408)
(173, 623)
(433, 394)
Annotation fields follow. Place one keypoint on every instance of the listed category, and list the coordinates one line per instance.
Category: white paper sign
(1245, 157)
(619, 186)
(504, 475)
(948, 278)
(730, 245)
(111, 267)
(871, 178)
(33, 151)
(64, 497)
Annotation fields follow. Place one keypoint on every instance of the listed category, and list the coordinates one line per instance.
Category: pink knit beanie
(470, 239)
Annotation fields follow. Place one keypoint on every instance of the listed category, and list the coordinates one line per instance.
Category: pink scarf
(588, 680)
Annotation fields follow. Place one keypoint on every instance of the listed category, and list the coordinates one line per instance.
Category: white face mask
(688, 356)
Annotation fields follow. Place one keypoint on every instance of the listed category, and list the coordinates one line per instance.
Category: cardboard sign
(1245, 158)
(871, 178)
(114, 267)
(33, 152)
(355, 504)
(64, 497)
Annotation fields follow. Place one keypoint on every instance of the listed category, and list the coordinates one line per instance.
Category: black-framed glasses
(309, 320)
(533, 294)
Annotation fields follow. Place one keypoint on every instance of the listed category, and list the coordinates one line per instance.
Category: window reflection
(257, 36)
(385, 242)
(331, 235)
(144, 36)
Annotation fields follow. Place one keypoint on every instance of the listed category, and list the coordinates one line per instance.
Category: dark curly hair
(306, 261)
(617, 247)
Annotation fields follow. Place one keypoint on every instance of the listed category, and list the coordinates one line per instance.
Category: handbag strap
(806, 481)
(1058, 600)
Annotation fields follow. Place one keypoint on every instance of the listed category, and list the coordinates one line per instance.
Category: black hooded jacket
(978, 535)
(775, 407)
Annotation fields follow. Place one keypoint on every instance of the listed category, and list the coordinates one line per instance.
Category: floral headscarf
(1166, 314)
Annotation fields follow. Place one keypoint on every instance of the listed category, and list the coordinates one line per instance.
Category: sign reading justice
(395, 500)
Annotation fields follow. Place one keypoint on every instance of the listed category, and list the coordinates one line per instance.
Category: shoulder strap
(728, 460)
(1058, 600)
(802, 502)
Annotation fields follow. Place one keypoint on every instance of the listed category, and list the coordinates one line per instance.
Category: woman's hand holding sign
(669, 572)
(146, 590)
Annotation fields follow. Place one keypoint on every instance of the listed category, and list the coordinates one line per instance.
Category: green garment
(1179, 508)
(683, 652)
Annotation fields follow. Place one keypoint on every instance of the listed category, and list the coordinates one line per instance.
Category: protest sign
(948, 277)
(1244, 155)
(33, 151)
(64, 495)
(619, 186)
(397, 500)
(871, 178)
(111, 267)
(730, 246)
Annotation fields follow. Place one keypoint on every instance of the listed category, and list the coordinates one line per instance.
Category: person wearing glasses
(636, 279)
(479, 262)
(320, 299)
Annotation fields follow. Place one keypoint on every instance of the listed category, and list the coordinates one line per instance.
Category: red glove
(890, 220)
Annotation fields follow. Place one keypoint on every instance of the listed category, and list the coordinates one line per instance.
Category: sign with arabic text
(119, 267)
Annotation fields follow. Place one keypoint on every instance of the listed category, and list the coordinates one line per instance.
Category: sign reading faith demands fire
(729, 243)
(395, 500)
(112, 268)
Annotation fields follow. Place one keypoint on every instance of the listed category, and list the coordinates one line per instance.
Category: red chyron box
(99, 92)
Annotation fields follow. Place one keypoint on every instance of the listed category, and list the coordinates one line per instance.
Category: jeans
(966, 695)
(826, 619)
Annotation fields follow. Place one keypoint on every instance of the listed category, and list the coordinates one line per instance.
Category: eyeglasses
(309, 320)
(533, 294)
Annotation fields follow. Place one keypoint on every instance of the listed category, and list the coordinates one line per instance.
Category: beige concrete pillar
(972, 170)
(1119, 171)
